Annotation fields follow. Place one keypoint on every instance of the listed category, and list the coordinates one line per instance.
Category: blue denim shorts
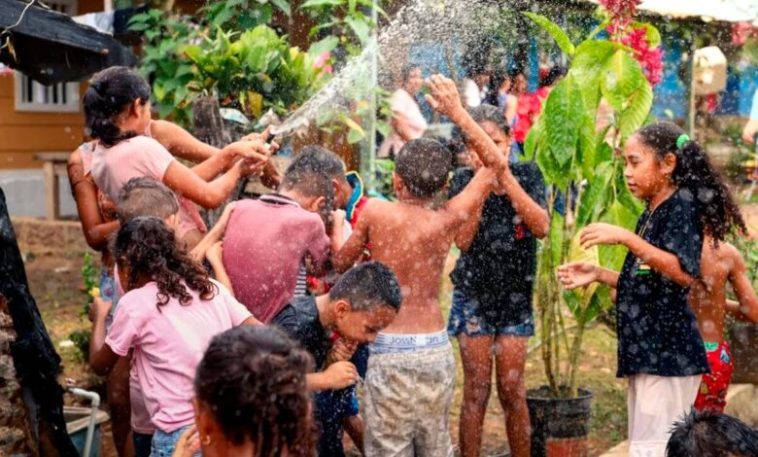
(164, 444)
(108, 292)
(466, 318)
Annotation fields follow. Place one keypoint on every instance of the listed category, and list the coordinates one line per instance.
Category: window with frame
(61, 97)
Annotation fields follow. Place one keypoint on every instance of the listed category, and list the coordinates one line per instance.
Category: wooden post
(52, 210)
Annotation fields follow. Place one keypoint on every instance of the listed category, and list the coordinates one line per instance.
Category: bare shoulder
(729, 253)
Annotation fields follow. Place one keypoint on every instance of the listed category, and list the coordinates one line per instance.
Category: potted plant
(576, 153)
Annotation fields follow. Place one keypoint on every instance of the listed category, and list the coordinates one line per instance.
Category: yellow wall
(23, 134)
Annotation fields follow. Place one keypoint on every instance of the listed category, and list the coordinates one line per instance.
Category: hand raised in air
(444, 97)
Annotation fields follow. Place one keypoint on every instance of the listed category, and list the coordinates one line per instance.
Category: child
(660, 348)
(139, 197)
(410, 379)
(706, 434)
(363, 301)
(720, 263)
(117, 110)
(251, 397)
(491, 314)
(267, 240)
(168, 315)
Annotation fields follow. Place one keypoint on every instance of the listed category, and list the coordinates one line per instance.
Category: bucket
(77, 420)
(559, 425)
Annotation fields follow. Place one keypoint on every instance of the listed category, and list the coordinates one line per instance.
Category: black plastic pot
(555, 419)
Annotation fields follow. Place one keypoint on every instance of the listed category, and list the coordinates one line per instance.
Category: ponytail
(717, 212)
(109, 93)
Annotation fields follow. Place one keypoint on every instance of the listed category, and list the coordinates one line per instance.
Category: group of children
(247, 362)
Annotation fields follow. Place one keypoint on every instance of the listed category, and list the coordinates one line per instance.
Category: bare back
(414, 242)
(708, 295)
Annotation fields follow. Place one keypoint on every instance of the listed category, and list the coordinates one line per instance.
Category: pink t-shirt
(265, 243)
(403, 103)
(139, 156)
(168, 343)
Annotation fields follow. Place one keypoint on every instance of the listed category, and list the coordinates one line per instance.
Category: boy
(707, 434)
(411, 372)
(139, 197)
(364, 300)
(267, 240)
(719, 264)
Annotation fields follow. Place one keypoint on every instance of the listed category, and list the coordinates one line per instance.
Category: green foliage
(347, 22)
(81, 339)
(578, 161)
(243, 14)
(164, 36)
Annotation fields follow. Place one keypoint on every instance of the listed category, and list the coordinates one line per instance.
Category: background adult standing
(407, 121)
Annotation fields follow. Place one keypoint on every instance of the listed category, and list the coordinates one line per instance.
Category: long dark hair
(109, 93)
(148, 248)
(717, 212)
(252, 379)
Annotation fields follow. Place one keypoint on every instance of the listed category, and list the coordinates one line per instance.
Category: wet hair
(424, 165)
(253, 381)
(489, 113)
(145, 196)
(148, 247)
(717, 212)
(555, 74)
(367, 286)
(311, 173)
(707, 434)
(109, 93)
(405, 72)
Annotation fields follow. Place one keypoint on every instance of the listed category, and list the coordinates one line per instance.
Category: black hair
(148, 248)
(311, 172)
(110, 91)
(406, 71)
(143, 196)
(489, 113)
(252, 379)
(368, 285)
(717, 212)
(424, 165)
(555, 74)
(708, 434)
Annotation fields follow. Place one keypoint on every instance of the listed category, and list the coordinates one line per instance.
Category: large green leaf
(563, 114)
(556, 238)
(533, 139)
(587, 68)
(636, 111)
(555, 31)
(326, 45)
(596, 196)
(622, 76)
(360, 27)
(284, 6)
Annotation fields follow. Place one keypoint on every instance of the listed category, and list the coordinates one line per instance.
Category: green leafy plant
(347, 23)
(579, 163)
(81, 338)
(243, 14)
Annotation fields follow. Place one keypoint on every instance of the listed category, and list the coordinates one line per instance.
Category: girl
(660, 348)
(491, 311)
(117, 111)
(168, 315)
(251, 398)
(407, 121)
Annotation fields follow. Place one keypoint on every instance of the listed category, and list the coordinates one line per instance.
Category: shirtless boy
(411, 375)
(719, 265)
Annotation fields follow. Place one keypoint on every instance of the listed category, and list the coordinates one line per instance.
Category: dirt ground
(56, 284)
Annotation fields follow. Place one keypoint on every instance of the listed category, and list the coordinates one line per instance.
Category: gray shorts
(408, 397)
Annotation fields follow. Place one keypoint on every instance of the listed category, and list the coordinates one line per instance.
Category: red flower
(651, 60)
(621, 12)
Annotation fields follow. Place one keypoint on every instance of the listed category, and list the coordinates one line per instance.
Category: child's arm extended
(665, 262)
(580, 274)
(747, 306)
(96, 230)
(214, 235)
(470, 226)
(445, 99)
(215, 257)
(353, 248)
(101, 356)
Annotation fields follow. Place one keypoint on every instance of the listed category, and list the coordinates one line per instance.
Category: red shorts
(713, 387)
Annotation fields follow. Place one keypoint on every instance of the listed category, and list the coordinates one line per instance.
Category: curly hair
(148, 248)
(252, 379)
(718, 214)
